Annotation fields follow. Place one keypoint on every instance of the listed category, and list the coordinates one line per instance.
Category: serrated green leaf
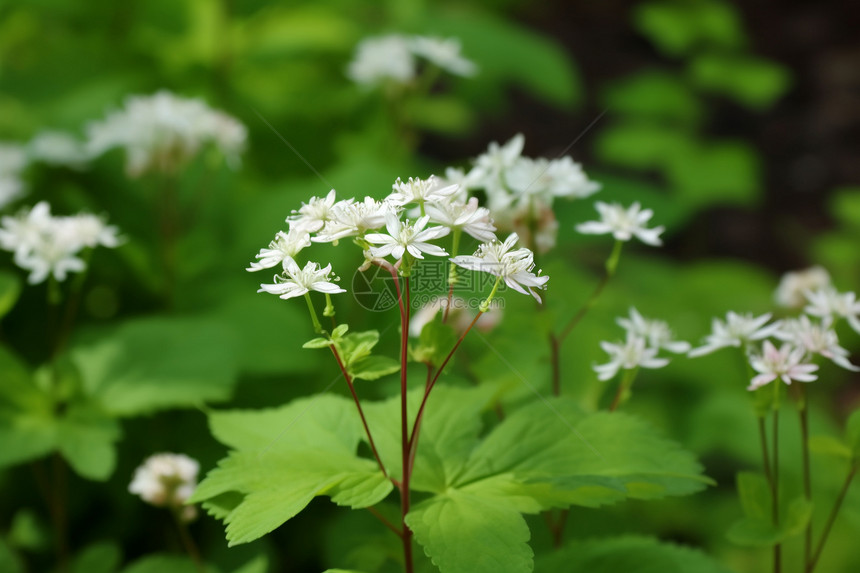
(451, 526)
(195, 364)
(283, 458)
(10, 289)
(373, 367)
(630, 554)
(356, 345)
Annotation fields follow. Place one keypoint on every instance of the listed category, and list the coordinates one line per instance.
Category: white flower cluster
(49, 245)
(645, 338)
(440, 212)
(163, 132)
(392, 58)
(13, 160)
(801, 339)
(167, 480)
(520, 190)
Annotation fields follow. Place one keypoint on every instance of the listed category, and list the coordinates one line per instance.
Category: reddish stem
(349, 383)
(404, 420)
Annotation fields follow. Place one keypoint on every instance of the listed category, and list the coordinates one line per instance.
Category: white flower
(498, 158)
(403, 237)
(47, 245)
(10, 189)
(655, 332)
(828, 301)
(473, 220)
(785, 363)
(736, 331)
(816, 339)
(624, 224)
(792, 288)
(514, 267)
(420, 191)
(166, 480)
(58, 148)
(633, 353)
(444, 53)
(285, 246)
(380, 59)
(312, 215)
(13, 160)
(350, 218)
(299, 282)
(554, 178)
(163, 132)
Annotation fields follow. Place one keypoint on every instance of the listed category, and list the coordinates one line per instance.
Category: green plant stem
(557, 340)
(59, 513)
(186, 539)
(774, 490)
(351, 386)
(375, 512)
(623, 391)
(452, 272)
(316, 321)
(803, 412)
(765, 456)
(810, 567)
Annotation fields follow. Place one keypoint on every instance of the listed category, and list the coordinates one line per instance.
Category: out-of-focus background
(738, 123)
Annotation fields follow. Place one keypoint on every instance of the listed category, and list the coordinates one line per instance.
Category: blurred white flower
(406, 237)
(420, 191)
(514, 267)
(167, 480)
(13, 160)
(298, 282)
(623, 224)
(312, 215)
(631, 354)
(163, 132)
(498, 158)
(554, 178)
(459, 317)
(382, 58)
(785, 364)
(655, 332)
(49, 245)
(473, 220)
(815, 338)
(737, 330)
(285, 246)
(444, 53)
(58, 148)
(828, 301)
(793, 286)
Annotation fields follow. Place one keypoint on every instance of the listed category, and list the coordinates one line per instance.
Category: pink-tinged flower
(815, 338)
(299, 282)
(406, 237)
(828, 301)
(623, 224)
(791, 292)
(633, 353)
(785, 364)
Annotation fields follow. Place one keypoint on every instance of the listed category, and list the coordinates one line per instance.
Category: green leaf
(259, 564)
(441, 114)
(507, 52)
(757, 529)
(373, 367)
(677, 27)
(158, 363)
(10, 289)
(164, 564)
(318, 343)
(103, 557)
(754, 493)
(830, 446)
(9, 560)
(27, 532)
(641, 145)
(754, 82)
(86, 438)
(654, 96)
(451, 526)
(630, 554)
(721, 173)
(282, 459)
(357, 345)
